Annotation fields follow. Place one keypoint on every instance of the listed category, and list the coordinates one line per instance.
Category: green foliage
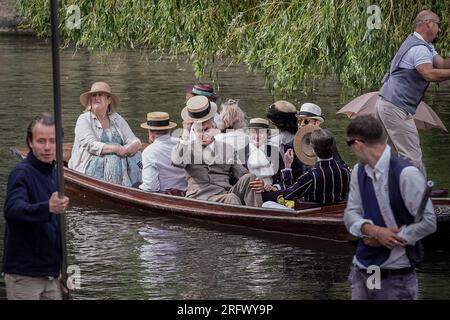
(292, 43)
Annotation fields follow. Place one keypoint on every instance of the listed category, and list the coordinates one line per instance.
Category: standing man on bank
(32, 248)
(382, 211)
(414, 66)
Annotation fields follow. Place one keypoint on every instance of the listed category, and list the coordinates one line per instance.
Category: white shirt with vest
(412, 187)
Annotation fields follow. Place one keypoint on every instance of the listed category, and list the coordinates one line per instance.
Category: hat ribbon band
(258, 125)
(158, 123)
(309, 114)
(201, 114)
(202, 93)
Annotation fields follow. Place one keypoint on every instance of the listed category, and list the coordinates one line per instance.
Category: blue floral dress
(126, 171)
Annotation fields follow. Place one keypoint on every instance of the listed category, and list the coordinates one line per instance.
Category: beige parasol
(425, 118)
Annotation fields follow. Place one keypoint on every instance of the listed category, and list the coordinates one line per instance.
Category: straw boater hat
(303, 147)
(199, 108)
(99, 87)
(158, 121)
(258, 123)
(311, 110)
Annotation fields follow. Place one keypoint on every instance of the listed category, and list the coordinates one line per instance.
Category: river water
(125, 254)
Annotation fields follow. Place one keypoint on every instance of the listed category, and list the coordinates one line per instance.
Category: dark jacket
(298, 167)
(326, 183)
(32, 245)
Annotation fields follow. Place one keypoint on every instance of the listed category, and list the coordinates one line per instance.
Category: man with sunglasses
(382, 211)
(414, 66)
(309, 114)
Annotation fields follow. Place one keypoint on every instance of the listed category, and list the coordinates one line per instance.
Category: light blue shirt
(158, 174)
(417, 55)
(412, 187)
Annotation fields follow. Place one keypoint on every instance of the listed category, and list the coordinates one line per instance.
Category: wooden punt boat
(324, 222)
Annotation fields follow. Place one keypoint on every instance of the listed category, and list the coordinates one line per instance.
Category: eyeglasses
(352, 141)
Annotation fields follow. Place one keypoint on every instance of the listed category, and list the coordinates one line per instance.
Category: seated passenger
(232, 124)
(325, 183)
(282, 115)
(261, 158)
(203, 89)
(158, 174)
(210, 164)
(105, 147)
(310, 114)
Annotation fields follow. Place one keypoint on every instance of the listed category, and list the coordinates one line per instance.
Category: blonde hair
(231, 116)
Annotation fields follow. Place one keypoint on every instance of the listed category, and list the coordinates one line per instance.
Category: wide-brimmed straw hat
(311, 110)
(258, 123)
(302, 145)
(157, 121)
(99, 87)
(198, 108)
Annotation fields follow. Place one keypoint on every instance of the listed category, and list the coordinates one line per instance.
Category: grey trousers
(32, 288)
(240, 193)
(402, 134)
(399, 287)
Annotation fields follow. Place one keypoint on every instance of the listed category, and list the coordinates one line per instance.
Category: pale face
(43, 144)
(304, 121)
(258, 136)
(100, 102)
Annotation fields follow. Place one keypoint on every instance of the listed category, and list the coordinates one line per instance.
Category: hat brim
(170, 126)
(185, 116)
(303, 147)
(84, 98)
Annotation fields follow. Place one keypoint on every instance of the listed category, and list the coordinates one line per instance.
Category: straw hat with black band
(258, 123)
(199, 108)
(158, 121)
(303, 147)
(99, 87)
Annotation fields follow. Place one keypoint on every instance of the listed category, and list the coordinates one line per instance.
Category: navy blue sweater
(32, 245)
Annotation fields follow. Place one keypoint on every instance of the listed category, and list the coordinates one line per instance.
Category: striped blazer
(327, 182)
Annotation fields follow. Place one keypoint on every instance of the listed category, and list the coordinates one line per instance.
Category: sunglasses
(304, 121)
(352, 141)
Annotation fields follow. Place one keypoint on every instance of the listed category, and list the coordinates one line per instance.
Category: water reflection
(127, 256)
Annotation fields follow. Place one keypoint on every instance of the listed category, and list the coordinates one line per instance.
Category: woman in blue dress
(105, 147)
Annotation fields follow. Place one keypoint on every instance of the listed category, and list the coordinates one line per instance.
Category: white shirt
(417, 55)
(258, 163)
(158, 174)
(88, 132)
(412, 186)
